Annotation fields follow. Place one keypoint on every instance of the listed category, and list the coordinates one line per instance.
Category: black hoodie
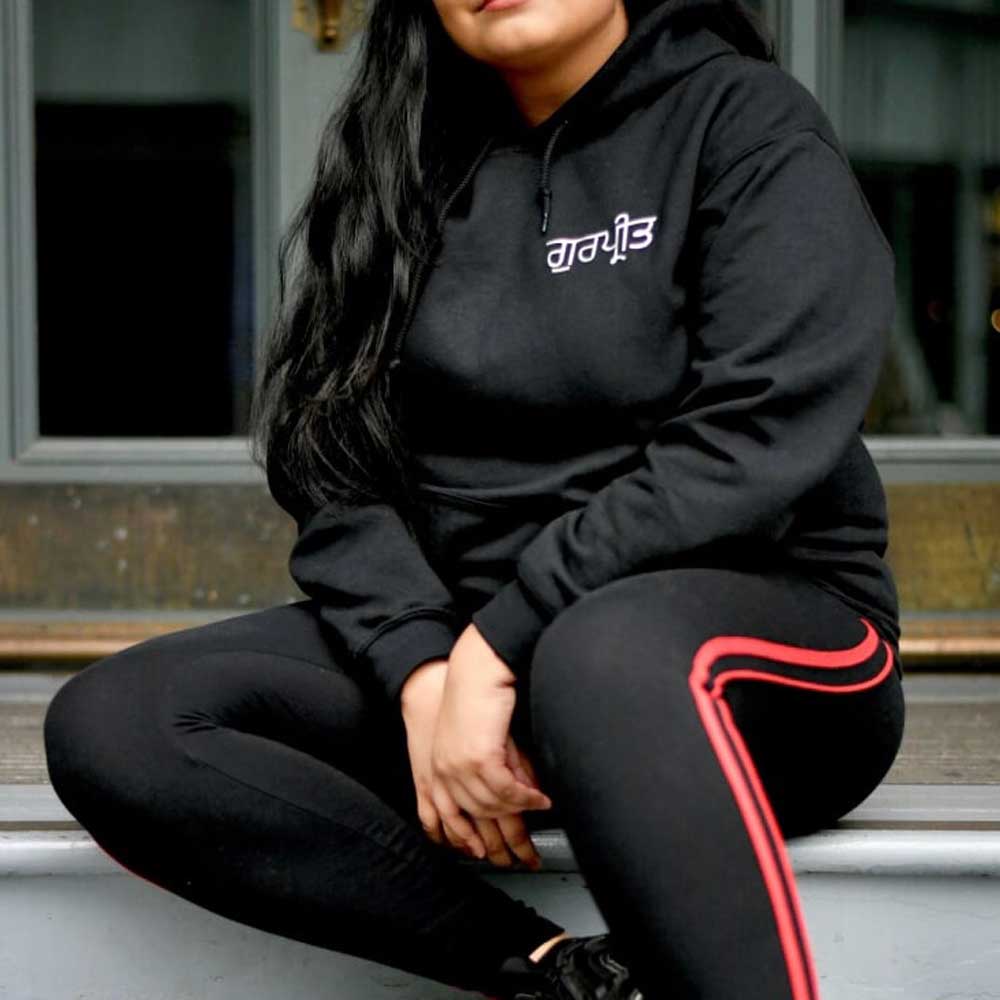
(648, 340)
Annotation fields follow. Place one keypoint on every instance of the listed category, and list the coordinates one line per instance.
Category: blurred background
(149, 157)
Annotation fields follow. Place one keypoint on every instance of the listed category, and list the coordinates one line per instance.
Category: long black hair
(323, 418)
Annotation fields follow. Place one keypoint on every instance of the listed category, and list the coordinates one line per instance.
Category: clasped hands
(472, 781)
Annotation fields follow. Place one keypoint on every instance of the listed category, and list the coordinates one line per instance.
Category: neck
(540, 91)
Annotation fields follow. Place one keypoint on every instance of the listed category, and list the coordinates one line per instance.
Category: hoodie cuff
(511, 621)
(395, 653)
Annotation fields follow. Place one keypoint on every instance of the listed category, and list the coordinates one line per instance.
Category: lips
(497, 4)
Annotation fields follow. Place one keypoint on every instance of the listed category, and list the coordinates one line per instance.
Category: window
(143, 217)
(919, 115)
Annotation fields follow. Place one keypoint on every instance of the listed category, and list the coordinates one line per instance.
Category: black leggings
(682, 721)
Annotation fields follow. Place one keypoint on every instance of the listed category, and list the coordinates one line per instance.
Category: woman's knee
(96, 736)
(73, 730)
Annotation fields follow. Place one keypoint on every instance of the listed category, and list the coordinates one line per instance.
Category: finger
(446, 808)
(429, 819)
(525, 762)
(460, 840)
(516, 762)
(506, 786)
(518, 839)
(476, 798)
(462, 845)
(521, 773)
(496, 846)
(457, 828)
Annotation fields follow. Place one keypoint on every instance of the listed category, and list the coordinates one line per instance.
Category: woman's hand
(420, 701)
(475, 765)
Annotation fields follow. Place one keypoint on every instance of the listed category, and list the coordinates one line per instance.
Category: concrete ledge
(829, 852)
(899, 909)
(917, 830)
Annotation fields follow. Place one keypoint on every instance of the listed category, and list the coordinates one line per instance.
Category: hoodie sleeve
(792, 297)
(372, 585)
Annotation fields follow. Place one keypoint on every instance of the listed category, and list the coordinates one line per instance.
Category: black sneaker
(574, 968)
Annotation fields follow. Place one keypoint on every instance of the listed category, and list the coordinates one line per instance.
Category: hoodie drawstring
(544, 195)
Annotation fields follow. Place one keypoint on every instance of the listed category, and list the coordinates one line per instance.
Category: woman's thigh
(126, 728)
(764, 678)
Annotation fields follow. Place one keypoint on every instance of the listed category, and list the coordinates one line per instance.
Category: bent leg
(686, 720)
(237, 765)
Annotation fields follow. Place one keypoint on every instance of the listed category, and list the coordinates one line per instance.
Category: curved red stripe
(739, 674)
(749, 793)
(745, 645)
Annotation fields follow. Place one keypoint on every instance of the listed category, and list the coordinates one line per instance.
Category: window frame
(25, 455)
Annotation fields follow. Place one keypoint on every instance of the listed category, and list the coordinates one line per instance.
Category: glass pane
(143, 216)
(921, 122)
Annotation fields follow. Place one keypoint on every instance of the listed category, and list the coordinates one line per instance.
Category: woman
(565, 398)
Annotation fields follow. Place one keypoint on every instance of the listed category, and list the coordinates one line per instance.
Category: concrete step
(901, 897)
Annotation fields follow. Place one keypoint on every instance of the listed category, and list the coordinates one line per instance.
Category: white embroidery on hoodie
(628, 234)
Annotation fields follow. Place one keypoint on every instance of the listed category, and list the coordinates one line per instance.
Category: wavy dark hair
(323, 419)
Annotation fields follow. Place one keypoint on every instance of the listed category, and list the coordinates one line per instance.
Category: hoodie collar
(660, 48)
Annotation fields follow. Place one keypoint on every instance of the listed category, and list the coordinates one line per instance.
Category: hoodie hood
(666, 40)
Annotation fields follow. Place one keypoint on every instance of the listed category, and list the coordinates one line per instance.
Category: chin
(517, 43)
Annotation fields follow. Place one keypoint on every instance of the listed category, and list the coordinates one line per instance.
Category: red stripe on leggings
(741, 774)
